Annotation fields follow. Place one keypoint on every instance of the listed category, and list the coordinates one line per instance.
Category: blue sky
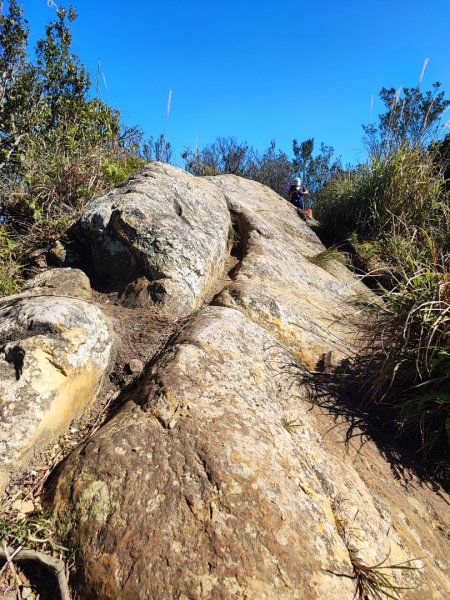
(257, 70)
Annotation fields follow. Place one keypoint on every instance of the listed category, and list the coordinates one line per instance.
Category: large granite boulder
(216, 480)
(160, 239)
(54, 353)
(276, 285)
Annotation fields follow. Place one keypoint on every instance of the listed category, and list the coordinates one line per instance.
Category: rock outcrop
(55, 348)
(228, 470)
(195, 489)
(277, 286)
(160, 239)
(214, 481)
(218, 477)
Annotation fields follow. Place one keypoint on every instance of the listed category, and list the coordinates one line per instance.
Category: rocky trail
(175, 426)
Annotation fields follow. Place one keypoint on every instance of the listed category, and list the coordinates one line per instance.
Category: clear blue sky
(258, 70)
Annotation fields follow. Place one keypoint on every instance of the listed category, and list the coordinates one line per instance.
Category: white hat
(298, 182)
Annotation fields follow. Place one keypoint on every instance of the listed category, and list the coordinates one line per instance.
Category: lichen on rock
(54, 353)
(160, 239)
(212, 496)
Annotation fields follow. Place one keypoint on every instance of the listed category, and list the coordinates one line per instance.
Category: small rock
(23, 506)
(136, 293)
(57, 254)
(135, 366)
(64, 254)
(38, 261)
(48, 393)
(64, 282)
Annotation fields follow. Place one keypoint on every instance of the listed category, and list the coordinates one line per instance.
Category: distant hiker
(297, 193)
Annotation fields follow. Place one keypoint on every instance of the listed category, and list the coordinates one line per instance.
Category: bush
(119, 168)
(58, 147)
(393, 213)
(225, 155)
(407, 186)
(272, 168)
(405, 360)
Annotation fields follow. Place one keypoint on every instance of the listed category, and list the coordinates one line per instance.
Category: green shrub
(58, 146)
(9, 267)
(405, 360)
(406, 186)
(118, 169)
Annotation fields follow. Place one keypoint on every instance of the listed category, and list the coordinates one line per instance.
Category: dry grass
(328, 257)
(408, 185)
(27, 529)
(405, 360)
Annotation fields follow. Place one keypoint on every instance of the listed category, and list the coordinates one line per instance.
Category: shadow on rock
(339, 391)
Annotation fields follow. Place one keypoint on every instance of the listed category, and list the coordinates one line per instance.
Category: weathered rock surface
(64, 282)
(215, 481)
(54, 352)
(161, 238)
(217, 478)
(276, 286)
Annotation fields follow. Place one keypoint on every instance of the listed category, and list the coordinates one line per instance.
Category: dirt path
(140, 334)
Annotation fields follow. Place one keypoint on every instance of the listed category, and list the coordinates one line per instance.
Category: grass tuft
(291, 425)
(404, 363)
(372, 582)
(394, 214)
(328, 257)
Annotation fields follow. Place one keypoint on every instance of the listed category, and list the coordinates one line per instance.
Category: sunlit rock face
(277, 286)
(216, 480)
(195, 489)
(160, 239)
(225, 472)
(55, 351)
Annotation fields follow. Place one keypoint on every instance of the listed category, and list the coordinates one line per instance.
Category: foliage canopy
(411, 118)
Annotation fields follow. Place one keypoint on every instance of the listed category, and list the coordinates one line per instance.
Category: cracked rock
(160, 239)
(54, 353)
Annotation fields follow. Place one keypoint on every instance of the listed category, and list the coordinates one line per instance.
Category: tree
(225, 155)
(193, 162)
(314, 171)
(46, 101)
(273, 168)
(64, 85)
(158, 149)
(64, 81)
(231, 156)
(58, 145)
(15, 79)
(411, 117)
(303, 158)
